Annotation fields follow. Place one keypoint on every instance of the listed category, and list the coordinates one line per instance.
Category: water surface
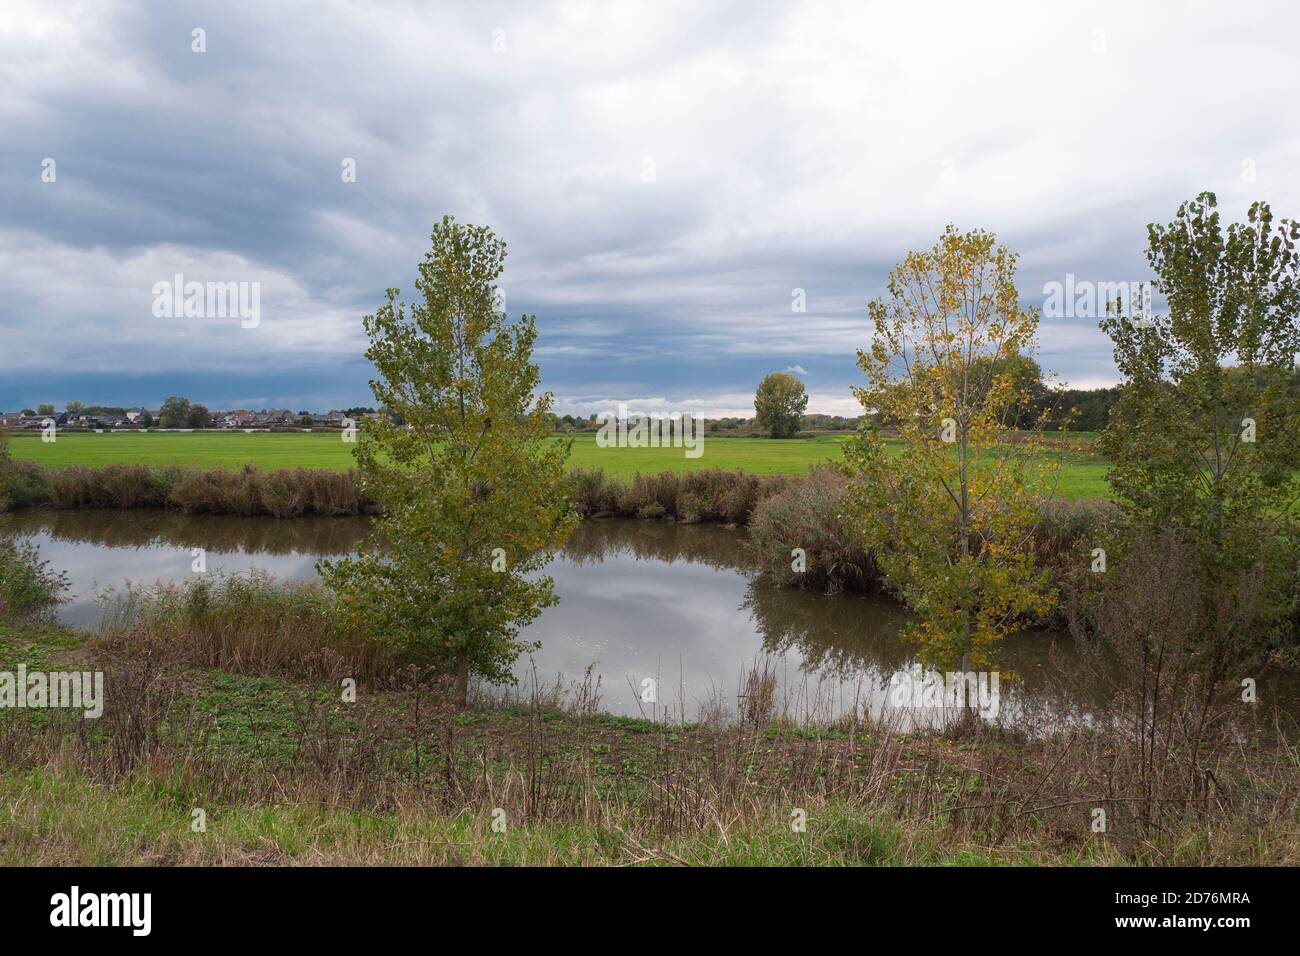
(640, 600)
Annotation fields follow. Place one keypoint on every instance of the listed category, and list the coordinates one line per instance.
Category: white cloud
(102, 307)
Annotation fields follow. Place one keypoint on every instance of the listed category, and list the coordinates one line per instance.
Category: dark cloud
(665, 176)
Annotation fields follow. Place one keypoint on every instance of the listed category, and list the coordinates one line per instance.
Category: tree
(778, 403)
(471, 486)
(199, 417)
(73, 409)
(175, 413)
(1205, 437)
(45, 409)
(946, 518)
(1026, 380)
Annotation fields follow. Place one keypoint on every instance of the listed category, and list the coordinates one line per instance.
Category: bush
(28, 587)
(807, 515)
(1067, 531)
(246, 624)
(23, 484)
(1168, 662)
(727, 496)
(593, 492)
(110, 486)
(651, 496)
(694, 496)
(247, 492)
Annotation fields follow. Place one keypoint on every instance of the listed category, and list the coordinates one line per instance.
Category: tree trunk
(462, 679)
(968, 708)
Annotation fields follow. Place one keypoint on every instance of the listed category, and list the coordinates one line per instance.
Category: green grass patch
(58, 817)
(37, 646)
(1082, 476)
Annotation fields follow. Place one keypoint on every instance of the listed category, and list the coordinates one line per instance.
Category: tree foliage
(948, 516)
(779, 403)
(174, 413)
(470, 485)
(1205, 439)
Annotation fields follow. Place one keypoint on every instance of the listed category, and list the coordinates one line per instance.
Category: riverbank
(782, 511)
(285, 770)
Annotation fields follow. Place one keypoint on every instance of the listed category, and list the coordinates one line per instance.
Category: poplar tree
(463, 466)
(1205, 439)
(947, 506)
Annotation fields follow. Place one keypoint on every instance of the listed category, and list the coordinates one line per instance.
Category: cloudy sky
(666, 175)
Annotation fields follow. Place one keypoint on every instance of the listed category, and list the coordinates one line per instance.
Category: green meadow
(1082, 476)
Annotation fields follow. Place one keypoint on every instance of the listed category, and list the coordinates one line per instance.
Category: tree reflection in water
(640, 597)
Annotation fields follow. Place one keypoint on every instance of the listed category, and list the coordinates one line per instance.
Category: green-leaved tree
(471, 486)
(175, 412)
(779, 403)
(1205, 439)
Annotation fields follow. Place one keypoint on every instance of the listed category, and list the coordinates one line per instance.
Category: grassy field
(287, 774)
(1082, 477)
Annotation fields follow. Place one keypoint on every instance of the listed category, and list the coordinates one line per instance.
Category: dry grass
(242, 624)
(287, 771)
(711, 494)
(247, 492)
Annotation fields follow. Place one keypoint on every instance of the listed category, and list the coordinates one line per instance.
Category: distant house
(33, 421)
(235, 419)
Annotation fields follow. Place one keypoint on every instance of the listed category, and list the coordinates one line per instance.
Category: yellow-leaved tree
(945, 496)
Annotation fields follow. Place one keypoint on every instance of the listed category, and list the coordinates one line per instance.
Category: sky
(671, 178)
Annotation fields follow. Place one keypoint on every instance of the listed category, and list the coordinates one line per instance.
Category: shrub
(27, 585)
(807, 515)
(593, 492)
(246, 492)
(109, 486)
(245, 624)
(25, 484)
(694, 496)
(727, 496)
(1168, 665)
(1068, 530)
